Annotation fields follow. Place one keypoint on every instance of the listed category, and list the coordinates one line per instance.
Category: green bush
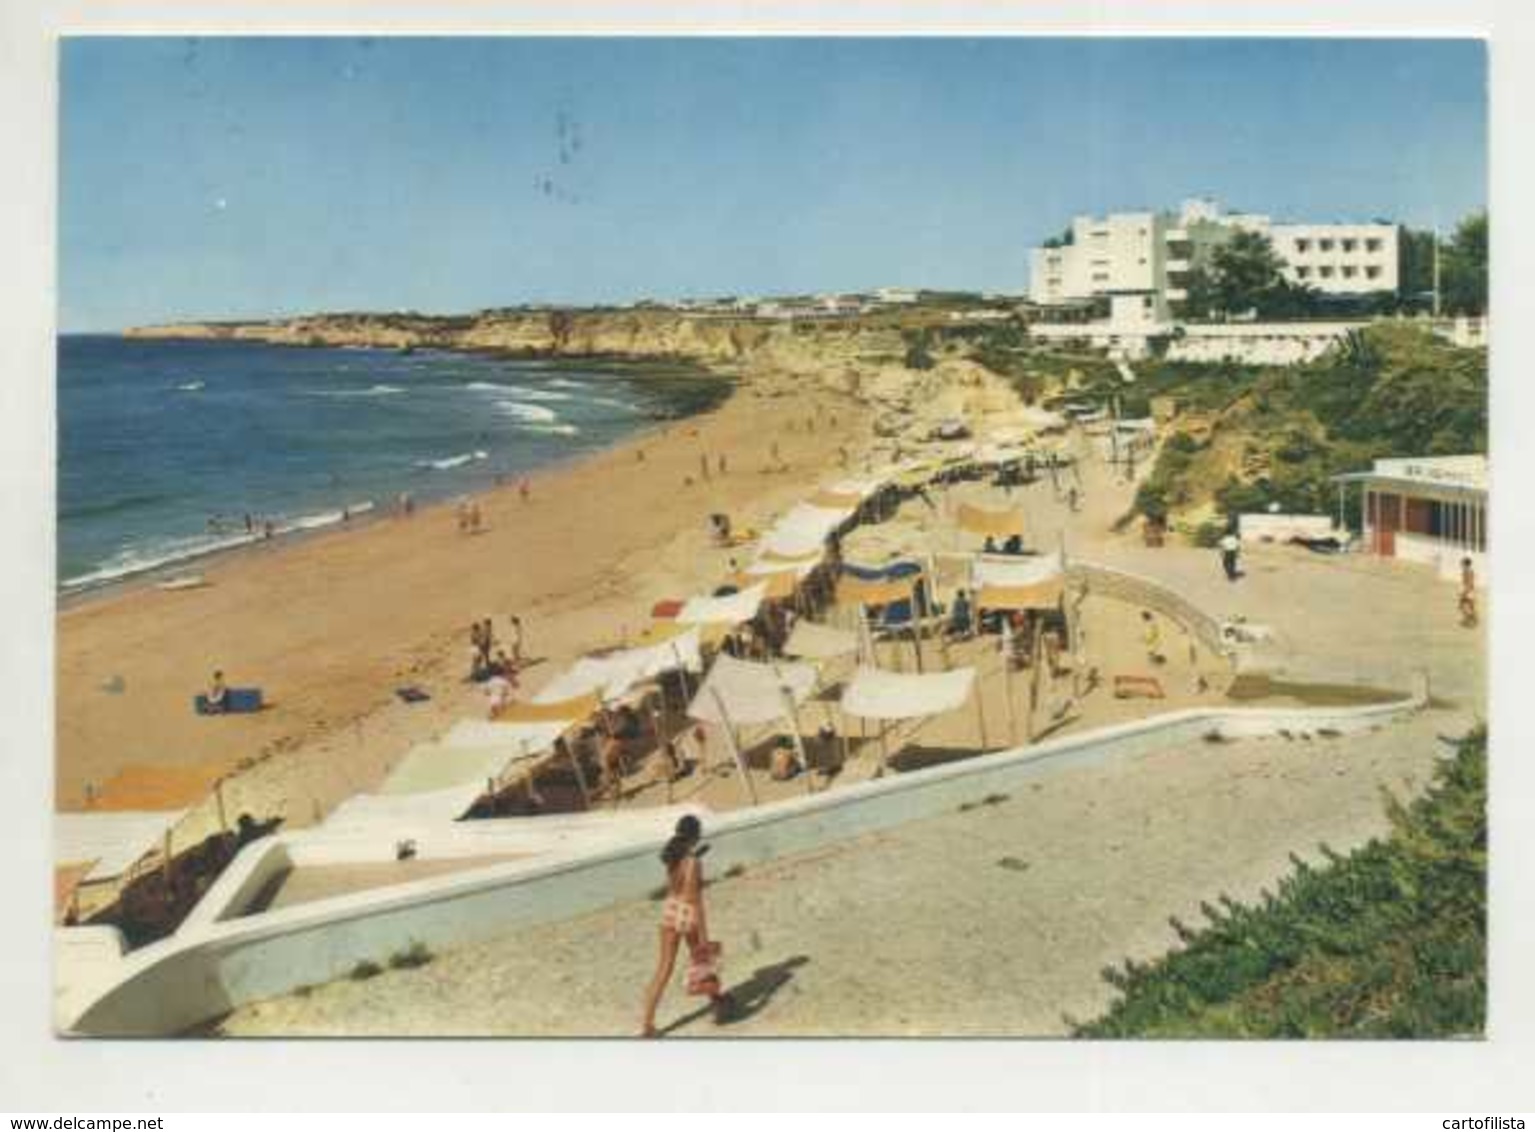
(1388, 941)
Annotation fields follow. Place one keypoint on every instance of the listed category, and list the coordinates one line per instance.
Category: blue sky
(247, 177)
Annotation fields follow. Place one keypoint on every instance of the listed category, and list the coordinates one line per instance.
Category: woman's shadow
(751, 996)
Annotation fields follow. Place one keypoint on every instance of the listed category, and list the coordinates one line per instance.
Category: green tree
(1463, 268)
(1246, 274)
(1415, 264)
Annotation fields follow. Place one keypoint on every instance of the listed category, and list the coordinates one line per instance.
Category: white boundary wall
(215, 963)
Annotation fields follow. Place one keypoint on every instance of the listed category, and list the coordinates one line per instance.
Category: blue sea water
(166, 446)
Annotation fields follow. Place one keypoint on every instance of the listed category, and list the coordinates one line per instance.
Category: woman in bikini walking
(682, 920)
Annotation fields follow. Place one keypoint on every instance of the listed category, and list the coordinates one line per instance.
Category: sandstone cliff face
(628, 334)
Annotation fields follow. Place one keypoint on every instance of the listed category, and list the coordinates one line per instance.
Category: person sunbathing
(218, 694)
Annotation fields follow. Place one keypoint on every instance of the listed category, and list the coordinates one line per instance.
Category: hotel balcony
(1176, 294)
(1177, 235)
(1177, 266)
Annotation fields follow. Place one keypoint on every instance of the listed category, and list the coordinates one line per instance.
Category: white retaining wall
(214, 963)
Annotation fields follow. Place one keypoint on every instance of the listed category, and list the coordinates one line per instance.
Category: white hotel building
(1141, 260)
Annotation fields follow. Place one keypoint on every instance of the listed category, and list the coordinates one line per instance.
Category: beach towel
(237, 701)
(1138, 687)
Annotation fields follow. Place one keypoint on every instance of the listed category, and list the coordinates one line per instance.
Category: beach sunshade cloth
(66, 879)
(804, 529)
(820, 642)
(397, 813)
(873, 693)
(999, 524)
(836, 500)
(752, 692)
(875, 591)
(470, 754)
(1042, 595)
(734, 609)
(857, 488)
(777, 586)
(1013, 570)
(570, 711)
(111, 841)
(613, 674)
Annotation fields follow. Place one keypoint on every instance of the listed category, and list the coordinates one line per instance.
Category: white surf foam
(447, 463)
(537, 414)
(159, 553)
(527, 393)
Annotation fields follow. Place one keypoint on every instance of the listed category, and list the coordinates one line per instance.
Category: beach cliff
(634, 334)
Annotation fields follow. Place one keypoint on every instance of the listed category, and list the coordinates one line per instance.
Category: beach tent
(802, 530)
(397, 814)
(861, 487)
(874, 693)
(1040, 418)
(733, 609)
(820, 642)
(110, 842)
(470, 756)
(875, 591)
(836, 500)
(779, 585)
(739, 692)
(997, 524)
(612, 674)
(802, 566)
(1011, 582)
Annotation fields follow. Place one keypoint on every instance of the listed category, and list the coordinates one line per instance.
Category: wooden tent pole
(791, 717)
(735, 747)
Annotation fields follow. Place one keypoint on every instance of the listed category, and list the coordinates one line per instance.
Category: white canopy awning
(820, 642)
(1014, 570)
(112, 839)
(752, 692)
(874, 693)
(613, 674)
(804, 529)
(732, 609)
(401, 813)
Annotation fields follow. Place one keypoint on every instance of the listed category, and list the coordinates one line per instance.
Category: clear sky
(246, 177)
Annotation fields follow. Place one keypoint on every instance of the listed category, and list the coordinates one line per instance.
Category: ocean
(166, 446)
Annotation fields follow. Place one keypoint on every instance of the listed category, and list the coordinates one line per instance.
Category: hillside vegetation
(1249, 436)
(1389, 941)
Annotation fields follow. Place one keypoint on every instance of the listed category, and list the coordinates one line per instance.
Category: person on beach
(525, 489)
(516, 640)
(722, 463)
(218, 694)
(1231, 548)
(498, 693)
(1151, 637)
(683, 921)
(1467, 594)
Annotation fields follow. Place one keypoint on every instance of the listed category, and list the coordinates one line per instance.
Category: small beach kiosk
(1428, 509)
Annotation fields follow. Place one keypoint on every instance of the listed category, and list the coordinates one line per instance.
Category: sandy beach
(328, 627)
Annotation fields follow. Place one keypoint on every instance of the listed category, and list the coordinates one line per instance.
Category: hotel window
(1349, 272)
(1302, 245)
(1372, 245)
(1303, 273)
(1324, 245)
(1324, 272)
(1372, 273)
(1350, 245)
(1100, 277)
